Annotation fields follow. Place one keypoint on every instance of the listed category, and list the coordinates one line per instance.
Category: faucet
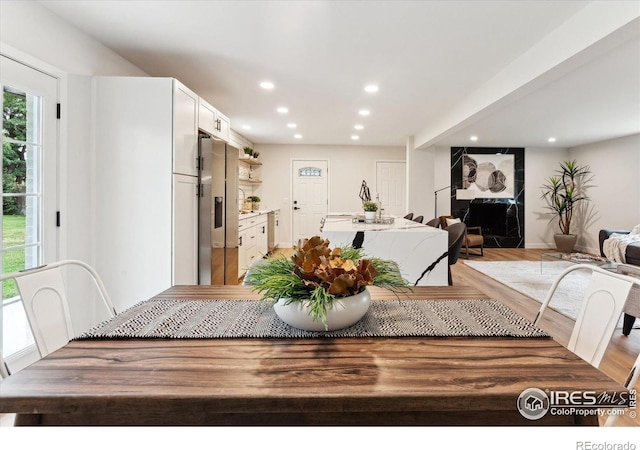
(244, 197)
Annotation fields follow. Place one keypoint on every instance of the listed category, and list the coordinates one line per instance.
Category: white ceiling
(427, 57)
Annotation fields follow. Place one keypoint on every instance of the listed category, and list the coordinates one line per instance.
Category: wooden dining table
(309, 381)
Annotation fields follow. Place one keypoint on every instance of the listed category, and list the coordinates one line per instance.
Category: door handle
(295, 208)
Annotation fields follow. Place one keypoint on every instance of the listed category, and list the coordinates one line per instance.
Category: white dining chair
(4, 371)
(600, 311)
(45, 302)
(632, 379)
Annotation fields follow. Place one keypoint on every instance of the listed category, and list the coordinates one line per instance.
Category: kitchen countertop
(251, 214)
(336, 222)
(420, 250)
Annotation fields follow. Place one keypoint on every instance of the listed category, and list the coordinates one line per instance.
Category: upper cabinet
(223, 125)
(213, 121)
(207, 117)
(185, 116)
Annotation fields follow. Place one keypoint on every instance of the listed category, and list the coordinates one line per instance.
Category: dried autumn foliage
(319, 266)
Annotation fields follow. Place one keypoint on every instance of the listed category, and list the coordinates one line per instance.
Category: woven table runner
(205, 319)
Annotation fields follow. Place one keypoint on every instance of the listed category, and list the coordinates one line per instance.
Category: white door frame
(62, 128)
(291, 162)
(30, 354)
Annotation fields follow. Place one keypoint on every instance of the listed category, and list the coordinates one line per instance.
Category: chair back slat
(599, 315)
(46, 306)
(44, 297)
(4, 371)
(600, 311)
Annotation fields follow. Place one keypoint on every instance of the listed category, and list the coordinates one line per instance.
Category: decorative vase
(369, 216)
(565, 242)
(343, 313)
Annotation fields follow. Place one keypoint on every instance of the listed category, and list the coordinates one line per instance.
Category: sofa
(632, 257)
(632, 254)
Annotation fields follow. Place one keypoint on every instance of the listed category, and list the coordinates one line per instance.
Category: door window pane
(21, 206)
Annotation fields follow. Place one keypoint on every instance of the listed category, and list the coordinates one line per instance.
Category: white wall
(615, 190)
(442, 178)
(348, 166)
(539, 164)
(420, 181)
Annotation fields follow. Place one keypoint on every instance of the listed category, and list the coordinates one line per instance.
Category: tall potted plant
(564, 192)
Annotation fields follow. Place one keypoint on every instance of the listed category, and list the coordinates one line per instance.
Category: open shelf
(250, 162)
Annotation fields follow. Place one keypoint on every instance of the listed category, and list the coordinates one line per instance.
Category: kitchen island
(419, 250)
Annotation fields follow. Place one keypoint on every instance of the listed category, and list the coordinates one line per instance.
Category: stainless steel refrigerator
(218, 212)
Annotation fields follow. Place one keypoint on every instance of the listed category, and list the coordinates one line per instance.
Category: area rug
(528, 278)
(193, 319)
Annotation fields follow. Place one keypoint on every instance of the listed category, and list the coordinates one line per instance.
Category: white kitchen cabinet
(185, 224)
(213, 121)
(143, 220)
(206, 116)
(185, 135)
(222, 126)
(277, 239)
(262, 236)
(242, 254)
(247, 250)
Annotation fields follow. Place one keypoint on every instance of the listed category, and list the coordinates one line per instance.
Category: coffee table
(578, 258)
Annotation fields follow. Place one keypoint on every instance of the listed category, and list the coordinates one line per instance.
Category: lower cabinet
(246, 243)
(253, 233)
(185, 230)
(262, 236)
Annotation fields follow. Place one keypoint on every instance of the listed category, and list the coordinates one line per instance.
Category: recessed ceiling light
(246, 127)
(364, 112)
(371, 88)
(551, 139)
(474, 138)
(283, 110)
(267, 85)
(297, 136)
(355, 137)
(358, 127)
(292, 125)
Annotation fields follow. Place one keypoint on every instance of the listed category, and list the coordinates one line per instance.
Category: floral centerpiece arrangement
(318, 276)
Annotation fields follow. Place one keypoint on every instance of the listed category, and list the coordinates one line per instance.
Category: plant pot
(369, 216)
(343, 313)
(565, 242)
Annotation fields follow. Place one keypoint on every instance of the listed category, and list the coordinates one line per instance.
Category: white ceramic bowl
(343, 313)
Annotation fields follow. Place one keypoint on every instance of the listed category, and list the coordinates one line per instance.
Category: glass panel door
(28, 140)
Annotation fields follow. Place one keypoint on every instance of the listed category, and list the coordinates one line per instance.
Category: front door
(310, 197)
(391, 186)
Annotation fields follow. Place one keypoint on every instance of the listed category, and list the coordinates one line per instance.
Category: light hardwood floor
(620, 354)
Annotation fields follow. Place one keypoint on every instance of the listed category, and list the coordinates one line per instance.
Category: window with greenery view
(21, 197)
